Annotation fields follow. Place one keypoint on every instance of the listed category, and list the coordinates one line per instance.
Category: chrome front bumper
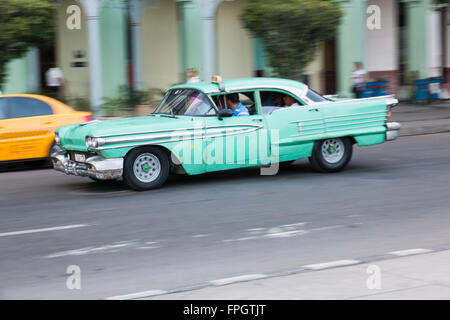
(392, 130)
(95, 167)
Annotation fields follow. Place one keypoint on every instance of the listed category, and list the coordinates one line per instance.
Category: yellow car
(28, 122)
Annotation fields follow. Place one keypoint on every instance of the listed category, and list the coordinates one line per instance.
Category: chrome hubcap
(333, 150)
(147, 167)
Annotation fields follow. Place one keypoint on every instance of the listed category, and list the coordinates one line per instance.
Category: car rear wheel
(331, 155)
(146, 168)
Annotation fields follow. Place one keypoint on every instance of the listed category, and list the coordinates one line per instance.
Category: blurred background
(105, 47)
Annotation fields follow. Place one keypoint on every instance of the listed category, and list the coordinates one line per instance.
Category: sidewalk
(421, 276)
(417, 119)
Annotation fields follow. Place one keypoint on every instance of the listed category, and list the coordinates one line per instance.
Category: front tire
(146, 168)
(331, 155)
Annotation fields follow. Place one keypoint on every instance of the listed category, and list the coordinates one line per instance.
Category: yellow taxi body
(28, 123)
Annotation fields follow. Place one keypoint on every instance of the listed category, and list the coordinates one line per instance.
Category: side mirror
(224, 113)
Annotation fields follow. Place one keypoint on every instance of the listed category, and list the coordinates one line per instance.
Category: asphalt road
(393, 196)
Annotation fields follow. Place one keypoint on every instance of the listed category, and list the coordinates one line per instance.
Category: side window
(27, 107)
(273, 100)
(247, 98)
(3, 110)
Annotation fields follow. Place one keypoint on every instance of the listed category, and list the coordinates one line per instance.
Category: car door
(234, 142)
(26, 132)
(294, 129)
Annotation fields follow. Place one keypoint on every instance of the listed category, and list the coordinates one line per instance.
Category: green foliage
(291, 30)
(23, 24)
(79, 103)
(128, 99)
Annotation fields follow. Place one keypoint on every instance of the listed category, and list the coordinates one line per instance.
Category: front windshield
(187, 102)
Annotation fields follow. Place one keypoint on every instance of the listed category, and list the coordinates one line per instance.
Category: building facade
(101, 45)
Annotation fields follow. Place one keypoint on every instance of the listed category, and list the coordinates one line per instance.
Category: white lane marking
(15, 233)
(332, 264)
(256, 230)
(327, 228)
(89, 250)
(246, 277)
(285, 234)
(201, 235)
(148, 247)
(409, 252)
(137, 295)
(240, 239)
(298, 224)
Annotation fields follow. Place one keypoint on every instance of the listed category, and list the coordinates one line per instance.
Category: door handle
(259, 120)
(50, 122)
(314, 109)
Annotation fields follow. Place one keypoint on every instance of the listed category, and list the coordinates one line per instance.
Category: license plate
(80, 157)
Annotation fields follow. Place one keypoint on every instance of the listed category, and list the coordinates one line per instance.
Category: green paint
(259, 54)
(145, 167)
(191, 36)
(351, 42)
(416, 21)
(113, 46)
(16, 81)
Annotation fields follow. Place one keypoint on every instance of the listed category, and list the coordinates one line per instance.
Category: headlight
(89, 142)
(93, 143)
(57, 138)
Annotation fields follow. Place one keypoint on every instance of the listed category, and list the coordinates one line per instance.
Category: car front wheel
(331, 155)
(146, 168)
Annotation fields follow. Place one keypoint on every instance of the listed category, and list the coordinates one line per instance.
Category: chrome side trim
(147, 132)
(186, 137)
(357, 114)
(356, 123)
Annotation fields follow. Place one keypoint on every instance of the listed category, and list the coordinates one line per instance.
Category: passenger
(278, 100)
(234, 104)
(289, 101)
(273, 99)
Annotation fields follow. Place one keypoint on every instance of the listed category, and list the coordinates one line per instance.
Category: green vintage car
(193, 131)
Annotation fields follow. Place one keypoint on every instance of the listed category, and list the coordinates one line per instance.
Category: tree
(291, 30)
(23, 24)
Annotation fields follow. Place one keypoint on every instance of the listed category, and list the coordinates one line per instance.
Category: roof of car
(242, 83)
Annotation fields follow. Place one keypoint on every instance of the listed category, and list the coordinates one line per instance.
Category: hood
(73, 136)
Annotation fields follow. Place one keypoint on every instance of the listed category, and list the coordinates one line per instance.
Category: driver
(234, 104)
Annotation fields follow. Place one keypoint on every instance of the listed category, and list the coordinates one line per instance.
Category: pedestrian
(55, 81)
(358, 79)
(191, 75)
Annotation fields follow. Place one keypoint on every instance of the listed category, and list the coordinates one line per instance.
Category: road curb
(281, 273)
